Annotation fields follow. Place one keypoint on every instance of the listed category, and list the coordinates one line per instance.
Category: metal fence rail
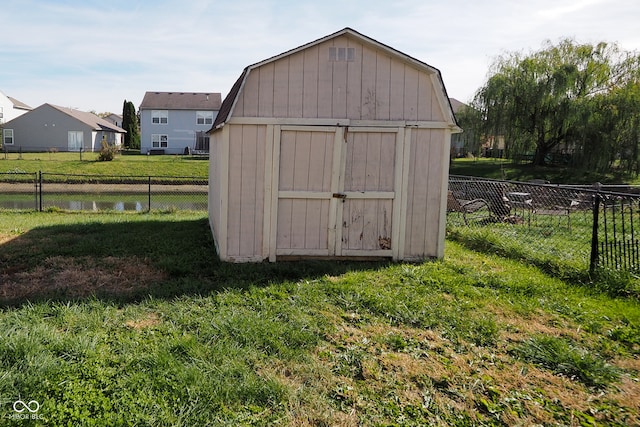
(42, 191)
(617, 224)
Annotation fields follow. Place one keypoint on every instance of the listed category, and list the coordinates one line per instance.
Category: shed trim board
(379, 124)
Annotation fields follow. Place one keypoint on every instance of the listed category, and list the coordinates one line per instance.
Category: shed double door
(337, 191)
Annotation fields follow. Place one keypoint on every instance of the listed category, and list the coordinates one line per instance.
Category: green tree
(130, 124)
(563, 95)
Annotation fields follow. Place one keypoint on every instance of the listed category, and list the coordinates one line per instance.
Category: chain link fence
(546, 224)
(46, 191)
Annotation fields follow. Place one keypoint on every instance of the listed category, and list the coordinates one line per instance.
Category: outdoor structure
(116, 119)
(176, 122)
(10, 108)
(337, 148)
(457, 142)
(50, 127)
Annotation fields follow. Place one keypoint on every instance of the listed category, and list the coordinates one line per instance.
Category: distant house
(175, 122)
(50, 127)
(116, 119)
(10, 108)
(457, 140)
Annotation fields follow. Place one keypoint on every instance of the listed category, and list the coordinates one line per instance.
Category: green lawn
(128, 319)
(506, 169)
(130, 164)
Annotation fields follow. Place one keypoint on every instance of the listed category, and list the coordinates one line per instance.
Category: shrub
(107, 152)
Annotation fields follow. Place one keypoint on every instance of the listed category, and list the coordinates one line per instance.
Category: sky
(92, 55)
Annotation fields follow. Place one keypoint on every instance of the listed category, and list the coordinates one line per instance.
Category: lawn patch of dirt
(79, 277)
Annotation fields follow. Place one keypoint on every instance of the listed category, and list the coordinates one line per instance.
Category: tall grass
(181, 339)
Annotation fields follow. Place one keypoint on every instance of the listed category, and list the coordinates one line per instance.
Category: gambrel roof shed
(337, 148)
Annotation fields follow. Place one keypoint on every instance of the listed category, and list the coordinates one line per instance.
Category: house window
(159, 141)
(342, 53)
(75, 140)
(204, 117)
(160, 117)
(8, 136)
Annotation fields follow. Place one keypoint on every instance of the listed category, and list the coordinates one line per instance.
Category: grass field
(506, 169)
(128, 319)
(122, 165)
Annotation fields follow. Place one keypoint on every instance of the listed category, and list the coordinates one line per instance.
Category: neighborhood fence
(560, 227)
(43, 191)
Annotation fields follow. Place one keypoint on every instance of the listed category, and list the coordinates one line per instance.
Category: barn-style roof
(226, 109)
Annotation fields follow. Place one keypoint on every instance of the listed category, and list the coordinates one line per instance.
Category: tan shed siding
(266, 90)
(373, 86)
(325, 84)
(214, 184)
(383, 82)
(310, 82)
(354, 86)
(396, 86)
(411, 93)
(246, 190)
(424, 193)
(296, 87)
(281, 88)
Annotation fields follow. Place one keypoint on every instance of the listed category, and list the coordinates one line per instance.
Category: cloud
(93, 54)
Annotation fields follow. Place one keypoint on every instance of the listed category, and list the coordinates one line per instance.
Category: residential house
(10, 108)
(50, 127)
(337, 148)
(457, 141)
(177, 122)
(116, 119)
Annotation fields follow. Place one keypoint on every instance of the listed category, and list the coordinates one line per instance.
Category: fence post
(149, 194)
(594, 234)
(35, 191)
(40, 191)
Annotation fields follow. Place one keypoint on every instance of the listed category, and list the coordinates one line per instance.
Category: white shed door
(336, 191)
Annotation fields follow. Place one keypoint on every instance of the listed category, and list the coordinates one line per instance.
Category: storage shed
(337, 148)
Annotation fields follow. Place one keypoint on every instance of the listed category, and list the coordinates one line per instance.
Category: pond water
(113, 202)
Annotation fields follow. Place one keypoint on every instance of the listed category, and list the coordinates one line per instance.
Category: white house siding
(181, 129)
(8, 110)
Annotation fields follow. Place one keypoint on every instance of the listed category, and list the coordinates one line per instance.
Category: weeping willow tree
(567, 95)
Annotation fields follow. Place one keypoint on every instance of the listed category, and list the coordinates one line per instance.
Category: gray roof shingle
(210, 101)
(89, 119)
